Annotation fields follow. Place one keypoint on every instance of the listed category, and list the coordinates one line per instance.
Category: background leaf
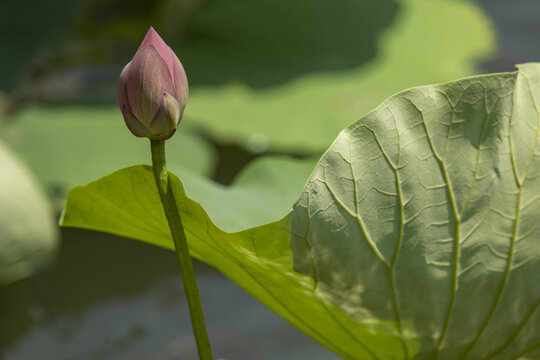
(336, 90)
(66, 146)
(28, 233)
(415, 236)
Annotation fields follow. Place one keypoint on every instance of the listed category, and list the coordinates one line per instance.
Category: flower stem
(161, 176)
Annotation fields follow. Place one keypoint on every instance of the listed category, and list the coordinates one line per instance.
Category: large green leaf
(415, 236)
(70, 145)
(28, 233)
(427, 41)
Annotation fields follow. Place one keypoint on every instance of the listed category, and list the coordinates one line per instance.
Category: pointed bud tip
(153, 38)
(152, 32)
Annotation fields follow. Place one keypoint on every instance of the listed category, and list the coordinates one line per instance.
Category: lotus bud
(153, 90)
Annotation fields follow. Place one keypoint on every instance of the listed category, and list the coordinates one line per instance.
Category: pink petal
(180, 82)
(122, 95)
(153, 38)
(167, 118)
(147, 79)
(134, 125)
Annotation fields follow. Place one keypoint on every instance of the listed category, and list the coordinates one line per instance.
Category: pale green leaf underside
(416, 235)
(28, 234)
(272, 180)
(322, 104)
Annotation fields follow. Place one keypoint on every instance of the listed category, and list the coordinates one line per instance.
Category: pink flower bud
(153, 89)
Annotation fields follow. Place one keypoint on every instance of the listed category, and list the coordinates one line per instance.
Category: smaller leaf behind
(259, 259)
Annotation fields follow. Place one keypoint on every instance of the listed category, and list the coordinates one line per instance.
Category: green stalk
(161, 176)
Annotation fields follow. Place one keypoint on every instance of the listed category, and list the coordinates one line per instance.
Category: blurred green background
(272, 82)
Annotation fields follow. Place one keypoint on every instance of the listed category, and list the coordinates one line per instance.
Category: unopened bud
(153, 90)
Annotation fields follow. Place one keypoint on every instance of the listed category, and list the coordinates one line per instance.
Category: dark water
(113, 298)
(517, 27)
